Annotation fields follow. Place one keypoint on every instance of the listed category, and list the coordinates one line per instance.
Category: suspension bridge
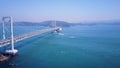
(10, 41)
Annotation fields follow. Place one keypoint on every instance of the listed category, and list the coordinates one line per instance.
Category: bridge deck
(24, 36)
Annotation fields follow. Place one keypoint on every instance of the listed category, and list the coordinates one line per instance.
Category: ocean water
(96, 46)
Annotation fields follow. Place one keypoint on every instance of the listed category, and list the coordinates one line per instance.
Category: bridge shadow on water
(31, 40)
(28, 41)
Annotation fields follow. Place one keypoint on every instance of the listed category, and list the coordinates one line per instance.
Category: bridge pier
(12, 52)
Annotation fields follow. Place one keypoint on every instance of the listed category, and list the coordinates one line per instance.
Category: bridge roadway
(24, 36)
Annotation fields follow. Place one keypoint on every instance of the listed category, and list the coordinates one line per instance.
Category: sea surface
(84, 46)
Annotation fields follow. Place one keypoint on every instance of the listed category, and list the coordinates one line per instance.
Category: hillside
(64, 24)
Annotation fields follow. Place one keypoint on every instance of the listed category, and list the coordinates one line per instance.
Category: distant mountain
(65, 24)
(26, 24)
(44, 23)
(106, 22)
(58, 23)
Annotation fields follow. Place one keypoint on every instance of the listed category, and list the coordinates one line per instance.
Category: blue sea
(84, 46)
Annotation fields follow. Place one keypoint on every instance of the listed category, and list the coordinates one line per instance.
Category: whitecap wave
(61, 34)
(72, 37)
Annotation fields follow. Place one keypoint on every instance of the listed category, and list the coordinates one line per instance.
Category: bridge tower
(9, 19)
(54, 26)
(3, 29)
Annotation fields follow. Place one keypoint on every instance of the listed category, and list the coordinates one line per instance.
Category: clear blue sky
(65, 10)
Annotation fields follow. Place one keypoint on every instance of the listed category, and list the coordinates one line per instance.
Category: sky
(63, 10)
